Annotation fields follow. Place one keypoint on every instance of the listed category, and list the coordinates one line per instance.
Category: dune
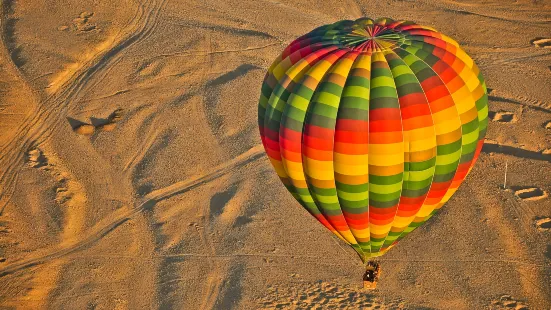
(132, 174)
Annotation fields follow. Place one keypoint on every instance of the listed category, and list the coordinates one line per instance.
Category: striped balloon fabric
(372, 125)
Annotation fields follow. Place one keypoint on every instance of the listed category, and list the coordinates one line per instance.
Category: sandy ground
(132, 176)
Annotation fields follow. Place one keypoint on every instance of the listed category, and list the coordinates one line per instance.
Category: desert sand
(132, 174)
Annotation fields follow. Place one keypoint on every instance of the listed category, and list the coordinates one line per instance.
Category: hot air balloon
(372, 125)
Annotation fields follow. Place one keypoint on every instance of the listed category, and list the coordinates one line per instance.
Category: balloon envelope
(372, 125)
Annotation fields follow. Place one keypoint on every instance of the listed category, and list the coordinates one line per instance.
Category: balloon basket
(371, 276)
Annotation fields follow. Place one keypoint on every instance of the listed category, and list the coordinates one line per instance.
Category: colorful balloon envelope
(372, 125)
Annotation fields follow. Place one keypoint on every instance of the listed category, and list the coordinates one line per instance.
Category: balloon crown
(364, 34)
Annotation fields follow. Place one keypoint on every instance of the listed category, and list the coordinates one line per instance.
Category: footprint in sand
(81, 22)
(503, 117)
(531, 193)
(36, 159)
(543, 223)
(62, 193)
(507, 302)
(4, 229)
(63, 190)
(322, 295)
(541, 42)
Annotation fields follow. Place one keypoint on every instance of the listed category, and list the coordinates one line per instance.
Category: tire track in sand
(121, 216)
(23, 100)
(214, 276)
(40, 125)
(51, 112)
(214, 279)
(104, 228)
